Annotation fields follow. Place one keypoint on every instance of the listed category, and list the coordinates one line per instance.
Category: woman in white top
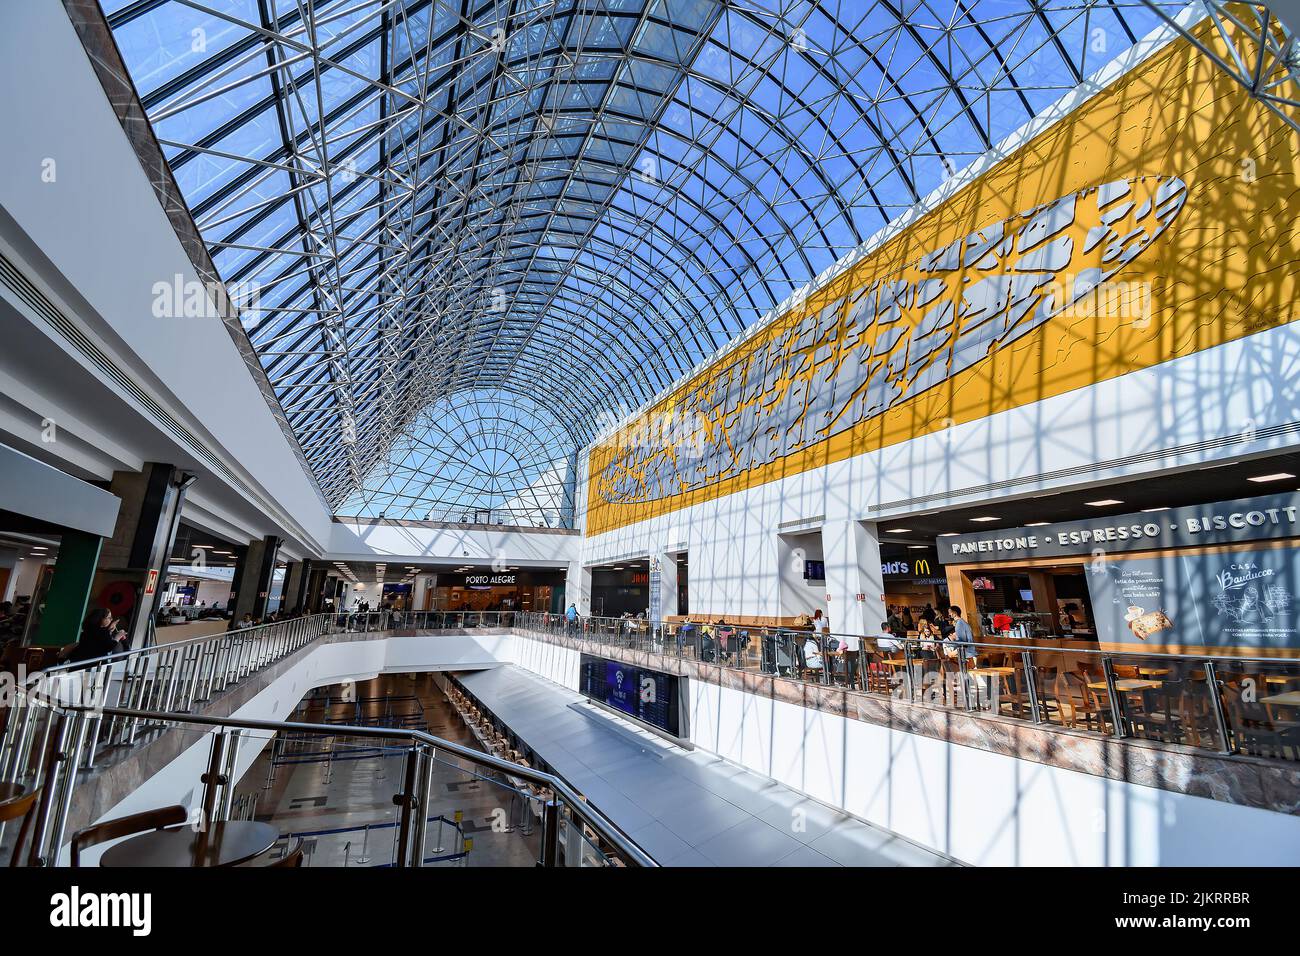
(819, 623)
(812, 655)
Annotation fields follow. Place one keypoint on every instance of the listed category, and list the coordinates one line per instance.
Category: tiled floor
(310, 793)
(685, 808)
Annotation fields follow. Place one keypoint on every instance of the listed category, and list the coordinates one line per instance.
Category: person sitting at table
(99, 638)
(886, 641)
(812, 655)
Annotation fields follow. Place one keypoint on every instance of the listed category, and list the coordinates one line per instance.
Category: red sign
(151, 583)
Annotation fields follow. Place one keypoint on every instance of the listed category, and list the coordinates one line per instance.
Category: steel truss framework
(549, 210)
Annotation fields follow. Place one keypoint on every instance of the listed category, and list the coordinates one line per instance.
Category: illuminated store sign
(1228, 522)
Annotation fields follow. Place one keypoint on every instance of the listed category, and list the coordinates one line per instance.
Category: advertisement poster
(1239, 601)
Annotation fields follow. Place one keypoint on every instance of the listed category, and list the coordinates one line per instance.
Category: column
(314, 597)
(962, 594)
(577, 587)
(855, 585)
(254, 577)
(69, 593)
(1043, 585)
(663, 594)
(142, 540)
(295, 580)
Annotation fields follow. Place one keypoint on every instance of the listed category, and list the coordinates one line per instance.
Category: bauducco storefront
(1216, 579)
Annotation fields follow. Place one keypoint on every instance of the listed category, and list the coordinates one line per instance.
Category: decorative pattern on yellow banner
(1166, 234)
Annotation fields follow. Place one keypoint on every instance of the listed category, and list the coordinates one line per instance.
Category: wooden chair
(20, 804)
(1074, 693)
(126, 826)
(290, 859)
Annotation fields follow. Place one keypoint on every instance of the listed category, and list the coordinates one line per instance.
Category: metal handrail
(606, 829)
(614, 624)
(120, 656)
(640, 634)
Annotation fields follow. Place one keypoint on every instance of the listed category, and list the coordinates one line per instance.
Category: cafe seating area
(1067, 682)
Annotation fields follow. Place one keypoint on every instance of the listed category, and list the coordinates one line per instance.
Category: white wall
(734, 562)
(350, 541)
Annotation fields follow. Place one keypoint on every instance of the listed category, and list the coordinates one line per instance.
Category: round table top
(10, 790)
(228, 843)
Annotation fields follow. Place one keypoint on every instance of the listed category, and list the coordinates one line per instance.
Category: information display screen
(652, 697)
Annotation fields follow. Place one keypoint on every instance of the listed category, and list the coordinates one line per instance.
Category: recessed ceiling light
(1275, 476)
(897, 530)
(987, 518)
(949, 534)
(1103, 503)
(1036, 524)
(916, 547)
(1149, 510)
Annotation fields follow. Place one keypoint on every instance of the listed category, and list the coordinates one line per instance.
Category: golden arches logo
(922, 568)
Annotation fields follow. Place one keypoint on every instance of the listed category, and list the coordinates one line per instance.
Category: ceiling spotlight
(987, 518)
(897, 530)
(1103, 503)
(1036, 524)
(1151, 510)
(1275, 476)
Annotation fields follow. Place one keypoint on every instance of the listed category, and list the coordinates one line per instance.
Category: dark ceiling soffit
(450, 525)
(101, 49)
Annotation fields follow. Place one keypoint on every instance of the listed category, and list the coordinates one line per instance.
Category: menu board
(1239, 600)
(653, 697)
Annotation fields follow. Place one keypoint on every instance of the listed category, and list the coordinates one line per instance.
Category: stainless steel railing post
(49, 791)
(550, 833)
(426, 801)
(1116, 707)
(1216, 703)
(69, 759)
(228, 774)
(1031, 685)
(409, 803)
(907, 670)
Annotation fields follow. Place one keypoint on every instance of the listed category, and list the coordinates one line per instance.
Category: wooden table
(991, 671)
(1153, 671)
(1290, 699)
(1281, 678)
(228, 843)
(1126, 684)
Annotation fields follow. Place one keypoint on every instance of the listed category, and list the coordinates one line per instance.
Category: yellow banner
(1155, 221)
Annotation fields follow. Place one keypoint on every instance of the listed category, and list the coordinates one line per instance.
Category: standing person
(961, 633)
(571, 616)
(928, 615)
(896, 622)
(908, 623)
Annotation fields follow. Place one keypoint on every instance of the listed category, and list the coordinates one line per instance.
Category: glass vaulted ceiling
(539, 213)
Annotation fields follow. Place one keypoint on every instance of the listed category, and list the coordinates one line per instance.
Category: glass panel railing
(1211, 703)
